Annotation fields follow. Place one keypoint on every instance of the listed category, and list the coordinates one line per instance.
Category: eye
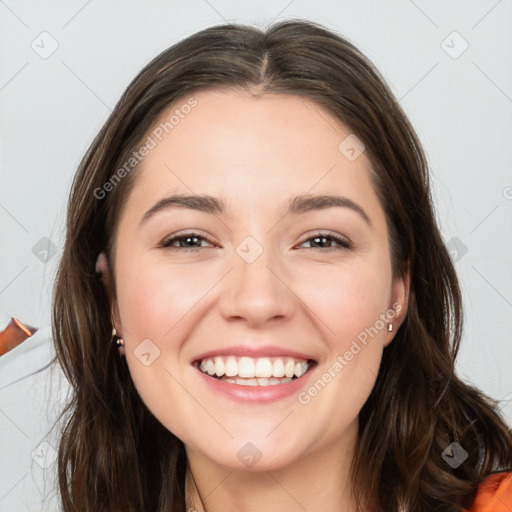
(186, 241)
(324, 241)
(193, 242)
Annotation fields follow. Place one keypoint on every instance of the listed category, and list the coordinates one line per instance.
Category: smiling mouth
(248, 371)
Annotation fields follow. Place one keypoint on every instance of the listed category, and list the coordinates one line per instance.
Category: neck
(319, 481)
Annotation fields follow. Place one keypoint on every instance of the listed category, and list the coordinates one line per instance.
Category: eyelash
(343, 243)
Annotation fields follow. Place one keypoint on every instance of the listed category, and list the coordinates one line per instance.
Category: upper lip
(254, 352)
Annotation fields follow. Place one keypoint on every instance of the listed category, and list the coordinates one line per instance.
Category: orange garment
(14, 334)
(494, 494)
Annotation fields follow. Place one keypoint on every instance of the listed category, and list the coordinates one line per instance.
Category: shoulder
(494, 494)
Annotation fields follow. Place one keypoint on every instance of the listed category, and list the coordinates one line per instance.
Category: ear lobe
(403, 294)
(103, 269)
(400, 296)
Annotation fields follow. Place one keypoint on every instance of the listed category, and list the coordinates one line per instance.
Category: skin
(256, 153)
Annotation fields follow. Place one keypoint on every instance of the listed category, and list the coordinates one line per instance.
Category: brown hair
(114, 455)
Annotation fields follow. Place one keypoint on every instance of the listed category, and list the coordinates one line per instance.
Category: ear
(102, 268)
(399, 303)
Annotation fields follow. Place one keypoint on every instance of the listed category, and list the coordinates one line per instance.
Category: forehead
(241, 124)
(263, 149)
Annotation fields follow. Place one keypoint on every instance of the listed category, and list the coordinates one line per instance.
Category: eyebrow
(296, 206)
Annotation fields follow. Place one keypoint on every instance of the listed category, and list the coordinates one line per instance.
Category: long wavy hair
(114, 455)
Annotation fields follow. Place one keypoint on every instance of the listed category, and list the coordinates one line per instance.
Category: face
(254, 323)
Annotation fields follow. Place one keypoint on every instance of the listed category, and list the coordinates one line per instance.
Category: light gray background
(52, 107)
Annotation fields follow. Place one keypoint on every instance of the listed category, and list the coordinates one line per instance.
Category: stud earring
(390, 327)
(117, 339)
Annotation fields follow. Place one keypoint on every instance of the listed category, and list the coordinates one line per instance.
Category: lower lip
(259, 394)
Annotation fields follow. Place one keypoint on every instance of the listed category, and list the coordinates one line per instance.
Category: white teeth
(261, 381)
(246, 367)
(263, 367)
(219, 367)
(278, 368)
(300, 368)
(210, 367)
(289, 368)
(231, 366)
(247, 382)
(262, 371)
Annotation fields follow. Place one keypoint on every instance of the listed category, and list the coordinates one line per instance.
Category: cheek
(154, 297)
(348, 300)
(156, 302)
(348, 305)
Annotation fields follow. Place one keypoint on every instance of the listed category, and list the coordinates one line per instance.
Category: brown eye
(327, 241)
(187, 241)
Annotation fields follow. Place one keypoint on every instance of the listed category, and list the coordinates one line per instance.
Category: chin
(256, 454)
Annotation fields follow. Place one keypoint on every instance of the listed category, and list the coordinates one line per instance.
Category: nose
(258, 292)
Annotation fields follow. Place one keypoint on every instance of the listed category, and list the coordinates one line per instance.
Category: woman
(253, 229)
